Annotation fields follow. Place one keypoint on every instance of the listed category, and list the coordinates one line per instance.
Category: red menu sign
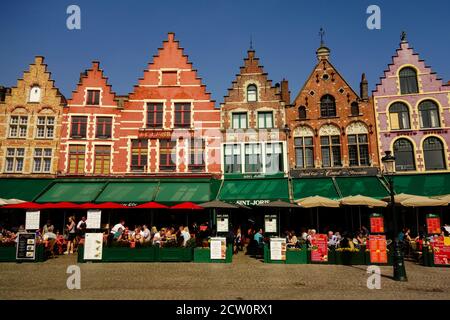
(433, 224)
(376, 224)
(441, 250)
(319, 250)
(377, 249)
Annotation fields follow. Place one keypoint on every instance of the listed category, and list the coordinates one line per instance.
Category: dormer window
(408, 81)
(93, 98)
(252, 93)
(354, 109)
(35, 94)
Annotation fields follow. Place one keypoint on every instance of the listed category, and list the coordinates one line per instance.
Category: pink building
(412, 107)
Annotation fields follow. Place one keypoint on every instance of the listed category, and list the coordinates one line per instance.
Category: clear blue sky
(124, 35)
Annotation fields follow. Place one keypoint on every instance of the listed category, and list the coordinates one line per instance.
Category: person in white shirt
(186, 235)
(120, 225)
(49, 235)
(145, 233)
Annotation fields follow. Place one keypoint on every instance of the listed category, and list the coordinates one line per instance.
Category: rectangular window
(14, 159)
(197, 155)
(358, 150)
(232, 163)
(18, 126)
(253, 158)
(331, 151)
(139, 158)
(182, 115)
(76, 159)
(104, 128)
(304, 152)
(79, 126)
(93, 98)
(42, 160)
(265, 120)
(102, 159)
(167, 155)
(45, 127)
(274, 158)
(154, 115)
(239, 120)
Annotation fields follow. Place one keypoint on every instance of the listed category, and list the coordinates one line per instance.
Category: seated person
(49, 235)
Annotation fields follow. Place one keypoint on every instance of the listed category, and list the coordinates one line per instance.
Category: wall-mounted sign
(270, 223)
(154, 134)
(433, 224)
(222, 223)
(319, 248)
(32, 220)
(93, 246)
(26, 246)
(378, 249)
(252, 202)
(94, 218)
(278, 249)
(376, 223)
(314, 173)
(218, 248)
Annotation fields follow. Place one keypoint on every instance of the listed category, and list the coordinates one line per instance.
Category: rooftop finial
(403, 37)
(322, 35)
(251, 42)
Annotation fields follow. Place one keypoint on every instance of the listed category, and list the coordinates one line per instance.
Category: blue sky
(124, 35)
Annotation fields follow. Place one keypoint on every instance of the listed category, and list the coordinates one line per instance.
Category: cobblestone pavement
(245, 278)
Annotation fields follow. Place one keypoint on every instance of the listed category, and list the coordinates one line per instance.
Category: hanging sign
(378, 249)
(32, 220)
(319, 249)
(441, 250)
(278, 249)
(93, 246)
(433, 224)
(376, 223)
(94, 218)
(218, 248)
(270, 223)
(26, 246)
(222, 223)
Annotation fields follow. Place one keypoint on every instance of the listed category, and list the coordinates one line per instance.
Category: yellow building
(30, 125)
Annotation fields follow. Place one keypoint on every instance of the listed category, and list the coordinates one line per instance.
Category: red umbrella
(187, 206)
(105, 205)
(24, 205)
(60, 205)
(151, 205)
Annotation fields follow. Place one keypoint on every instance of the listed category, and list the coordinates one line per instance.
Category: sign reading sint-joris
(252, 202)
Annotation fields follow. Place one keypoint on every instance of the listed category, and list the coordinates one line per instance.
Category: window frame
(81, 127)
(104, 158)
(265, 115)
(93, 97)
(141, 146)
(331, 147)
(240, 115)
(106, 127)
(253, 91)
(43, 157)
(405, 87)
(153, 115)
(441, 151)
(359, 148)
(256, 153)
(328, 107)
(45, 127)
(195, 153)
(431, 108)
(16, 158)
(401, 114)
(185, 115)
(399, 153)
(77, 153)
(304, 152)
(235, 166)
(167, 152)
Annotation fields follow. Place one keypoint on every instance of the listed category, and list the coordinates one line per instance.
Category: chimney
(285, 94)
(38, 60)
(364, 88)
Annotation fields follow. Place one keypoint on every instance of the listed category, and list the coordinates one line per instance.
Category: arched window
(433, 151)
(399, 116)
(327, 106)
(404, 155)
(304, 147)
(302, 112)
(330, 145)
(252, 93)
(35, 94)
(354, 109)
(429, 114)
(408, 81)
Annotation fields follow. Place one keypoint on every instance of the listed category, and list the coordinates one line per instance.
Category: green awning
(434, 184)
(22, 189)
(365, 186)
(128, 192)
(72, 192)
(309, 187)
(176, 192)
(255, 191)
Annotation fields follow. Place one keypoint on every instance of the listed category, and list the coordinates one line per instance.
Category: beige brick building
(30, 124)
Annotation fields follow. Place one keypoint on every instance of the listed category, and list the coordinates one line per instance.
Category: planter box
(8, 254)
(331, 257)
(296, 256)
(203, 255)
(175, 254)
(350, 258)
(267, 256)
(428, 259)
(390, 261)
(124, 254)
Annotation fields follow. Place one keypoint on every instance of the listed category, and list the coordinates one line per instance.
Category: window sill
(325, 118)
(103, 138)
(355, 115)
(78, 138)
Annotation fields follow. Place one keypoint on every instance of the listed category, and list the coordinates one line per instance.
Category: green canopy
(128, 192)
(189, 191)
(310, 187)
(431, 184)
(72, 192)
(23, 188)
(365, 186)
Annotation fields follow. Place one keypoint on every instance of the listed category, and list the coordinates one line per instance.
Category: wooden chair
(50, 249)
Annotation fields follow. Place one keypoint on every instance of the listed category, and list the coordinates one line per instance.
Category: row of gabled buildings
(168, 126)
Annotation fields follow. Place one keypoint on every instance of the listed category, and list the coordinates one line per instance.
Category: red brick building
(332, 127)
(90, 127)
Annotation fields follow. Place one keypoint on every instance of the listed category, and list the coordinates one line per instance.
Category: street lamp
(389, 170)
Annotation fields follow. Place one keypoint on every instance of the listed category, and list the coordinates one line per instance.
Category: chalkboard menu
(26, 246)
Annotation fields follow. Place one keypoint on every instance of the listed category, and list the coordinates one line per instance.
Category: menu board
(270, 224)
(94, 218)
(26, 246)
(278, 249)
(32, 220)
(376, 224)
(378, 249)
(441, 250)
(319, 249)
(218, 248)
(93, 246)
(222, 223)
(433, 224)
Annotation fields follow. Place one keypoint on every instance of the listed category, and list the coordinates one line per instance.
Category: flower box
(296, 256)
(390, 260)
(267, 256)
(331, 257)
(203, 255)
(175, 254)
(347, 257)
(8, 254)
(124, 254)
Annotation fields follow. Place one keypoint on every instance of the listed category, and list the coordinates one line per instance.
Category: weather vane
(403, 36)
(251, 42)
(321, 34)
